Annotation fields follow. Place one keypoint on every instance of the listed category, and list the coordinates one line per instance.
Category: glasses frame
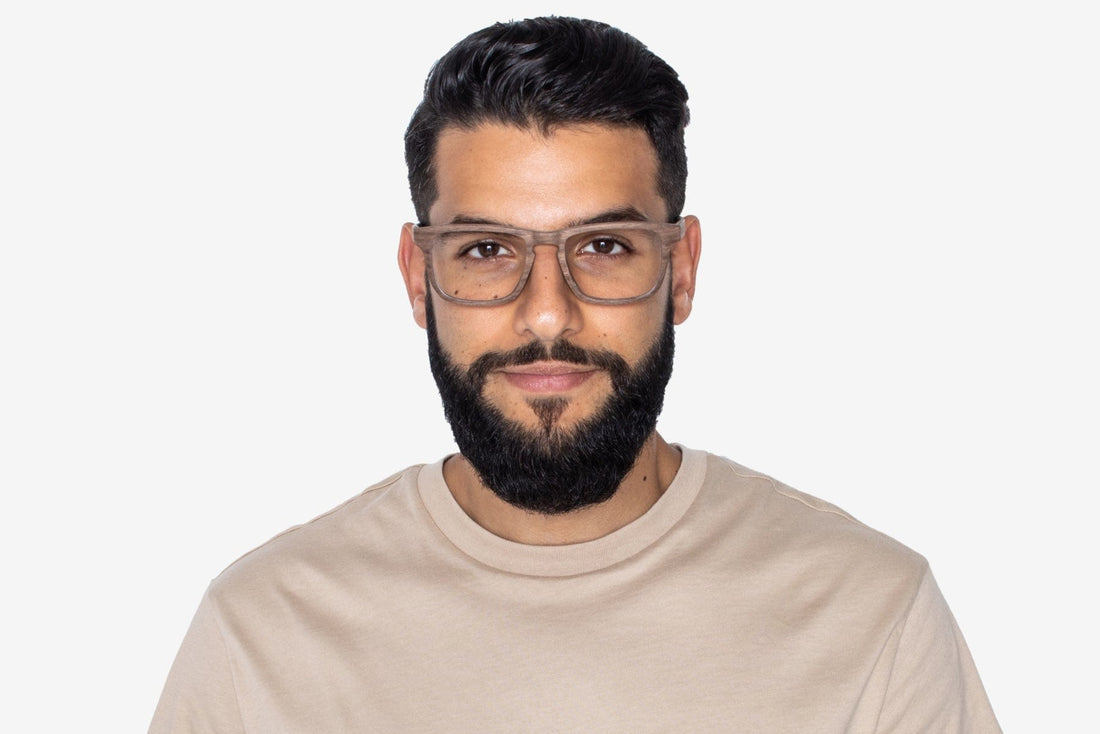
(666, 233)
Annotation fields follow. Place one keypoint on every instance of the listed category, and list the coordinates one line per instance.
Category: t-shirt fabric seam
(778, 488)
(228, 658)
(441, 529)
(903, 623)
(442, 533)
(373, 488)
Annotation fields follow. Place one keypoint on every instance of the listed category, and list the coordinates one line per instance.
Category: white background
(205, 338)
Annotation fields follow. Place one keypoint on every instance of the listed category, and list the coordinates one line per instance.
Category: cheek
(466, 333)
(629, 331)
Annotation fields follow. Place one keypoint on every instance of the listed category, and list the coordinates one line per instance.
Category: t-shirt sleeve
(934, 684)
(200, 696)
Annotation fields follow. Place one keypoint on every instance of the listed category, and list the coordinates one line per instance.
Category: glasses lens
(478, 266)
(614, 263)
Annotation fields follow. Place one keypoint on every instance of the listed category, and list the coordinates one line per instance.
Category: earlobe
(419, 314)
(681, 308)
(410, 259)
(685, 264)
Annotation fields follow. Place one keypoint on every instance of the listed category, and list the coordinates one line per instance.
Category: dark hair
(546, 72)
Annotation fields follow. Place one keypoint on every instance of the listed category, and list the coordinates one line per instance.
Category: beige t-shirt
(734, 604)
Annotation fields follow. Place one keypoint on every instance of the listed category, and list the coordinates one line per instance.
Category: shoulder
(344, 535)
(784, 523)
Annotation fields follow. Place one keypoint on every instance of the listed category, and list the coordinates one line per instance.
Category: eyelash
(626, 248)
(475, 246)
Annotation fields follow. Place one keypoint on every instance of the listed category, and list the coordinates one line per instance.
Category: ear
(685, 263)
(410, 259)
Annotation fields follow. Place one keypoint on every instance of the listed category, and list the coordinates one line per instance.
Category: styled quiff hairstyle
(546, 72)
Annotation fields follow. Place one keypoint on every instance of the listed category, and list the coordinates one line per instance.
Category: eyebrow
(619, 214)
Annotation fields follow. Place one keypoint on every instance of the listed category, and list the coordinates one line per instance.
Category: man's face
(520, 177)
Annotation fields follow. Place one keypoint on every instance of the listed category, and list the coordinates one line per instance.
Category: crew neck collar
(561, 560)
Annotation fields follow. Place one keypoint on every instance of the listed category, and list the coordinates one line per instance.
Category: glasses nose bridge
(555, 240)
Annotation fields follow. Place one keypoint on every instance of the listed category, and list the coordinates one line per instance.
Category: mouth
(548, 376)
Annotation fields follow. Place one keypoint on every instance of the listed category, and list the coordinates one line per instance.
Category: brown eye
(604, 246)
(484, 250)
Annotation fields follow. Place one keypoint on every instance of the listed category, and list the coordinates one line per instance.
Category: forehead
(524, 177)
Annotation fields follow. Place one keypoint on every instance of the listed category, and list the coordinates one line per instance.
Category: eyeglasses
(483, 264)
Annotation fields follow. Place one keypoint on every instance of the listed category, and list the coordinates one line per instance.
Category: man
(569, 570)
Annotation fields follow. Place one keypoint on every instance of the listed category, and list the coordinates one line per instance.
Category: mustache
(560, 351)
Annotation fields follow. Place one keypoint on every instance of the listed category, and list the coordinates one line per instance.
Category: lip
(548, 377)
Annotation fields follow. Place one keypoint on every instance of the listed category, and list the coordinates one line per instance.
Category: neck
(647, 480)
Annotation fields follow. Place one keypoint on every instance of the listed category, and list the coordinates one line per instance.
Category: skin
(521, 177)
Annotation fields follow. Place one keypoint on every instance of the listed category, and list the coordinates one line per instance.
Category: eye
(605, 246)
(484, 250)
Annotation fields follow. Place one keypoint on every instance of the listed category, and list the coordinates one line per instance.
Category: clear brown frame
(667, 235)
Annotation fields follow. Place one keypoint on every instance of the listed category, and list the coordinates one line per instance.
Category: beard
(552, 470)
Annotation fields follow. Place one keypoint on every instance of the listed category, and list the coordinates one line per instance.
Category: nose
(547, 309)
